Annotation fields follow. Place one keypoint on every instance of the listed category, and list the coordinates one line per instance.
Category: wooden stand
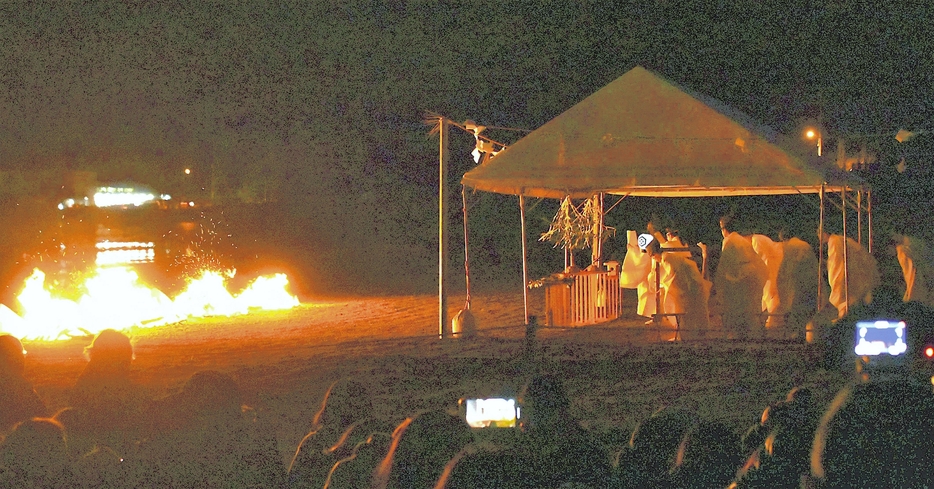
(582, 298)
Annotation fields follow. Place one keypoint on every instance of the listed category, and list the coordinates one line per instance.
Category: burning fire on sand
(114, 297)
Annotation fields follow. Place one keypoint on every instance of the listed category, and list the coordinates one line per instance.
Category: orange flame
(115, 298)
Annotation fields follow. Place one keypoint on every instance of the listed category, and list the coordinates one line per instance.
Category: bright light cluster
(121, 196)
(124, 253)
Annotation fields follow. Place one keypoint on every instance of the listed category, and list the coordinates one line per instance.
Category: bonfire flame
(115, 298)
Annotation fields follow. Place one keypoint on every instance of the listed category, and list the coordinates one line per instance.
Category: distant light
(929, 352)
(187, 171)
(120, 196)
(124, 253)
(191, 204)
(813, 134)
(165, 197)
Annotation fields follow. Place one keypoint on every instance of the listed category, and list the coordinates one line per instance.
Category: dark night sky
(184, 79)
(314, 101)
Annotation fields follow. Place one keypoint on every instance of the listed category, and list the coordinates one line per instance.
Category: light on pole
(815, 134)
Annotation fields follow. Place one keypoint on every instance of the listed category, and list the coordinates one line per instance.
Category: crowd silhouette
(875, 433)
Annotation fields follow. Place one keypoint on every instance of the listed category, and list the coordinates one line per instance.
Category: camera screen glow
(496, 412)
(880, 337)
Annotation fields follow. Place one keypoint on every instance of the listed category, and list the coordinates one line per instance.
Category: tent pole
(598, 246)
(466, 243)
(846, 264)
(525, 265)
(869, 218)
(859, 216)
(442, 227)
(820, 245)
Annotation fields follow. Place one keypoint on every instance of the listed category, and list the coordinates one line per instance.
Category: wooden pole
(597, 258)
(820, 251)
(442, 228)
(525, 265)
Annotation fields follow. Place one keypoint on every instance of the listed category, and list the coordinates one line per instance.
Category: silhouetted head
(726, 225)
(420, 449)
(801, 395)
(101, 466)
(543, 401)
(210, 391)
(12, 358)
(708, 455)
(654, 248)
(36, 450)
(81, 439)
(110, 350)
(662, 431)
(773, 414)
(345, 402)
(655, 443)
(876, 434)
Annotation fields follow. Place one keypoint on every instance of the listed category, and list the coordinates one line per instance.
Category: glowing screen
(880, 337)
(497, 412)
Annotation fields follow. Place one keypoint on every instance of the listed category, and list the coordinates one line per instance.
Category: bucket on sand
(464, 325)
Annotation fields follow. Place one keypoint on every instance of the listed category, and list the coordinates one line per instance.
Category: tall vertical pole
(525, 265)
(869, 217)
(846, 264)
(598, 246)
(443, 228)
(859, 216)
(466, 243)
(820, 251)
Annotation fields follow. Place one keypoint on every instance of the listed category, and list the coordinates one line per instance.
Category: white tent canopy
(643, 136)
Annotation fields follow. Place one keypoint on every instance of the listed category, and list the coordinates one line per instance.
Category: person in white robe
(796, 284)
(739, 280)
(861, 273)
(634, 274)
(673, 240)
(771, 254)
(646, 287)
(917, 264)
(686, 293)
